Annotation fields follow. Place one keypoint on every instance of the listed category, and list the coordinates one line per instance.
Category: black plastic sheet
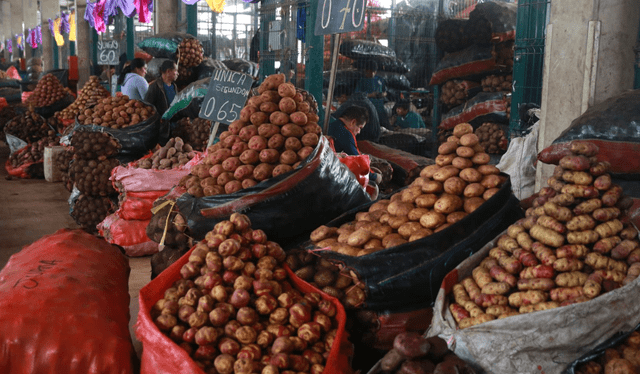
(286, 207)
(50, 110)
(135, 141)
(395, 80)
(9, 83)
(188, 101)
(153, 68)
(385, 63)
(207, 66)
(358, 48)
(242, 66)
(412, 273)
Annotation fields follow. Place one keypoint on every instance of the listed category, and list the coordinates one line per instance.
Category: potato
(518, 299)
(540, 284)
(258, 118)
(575, 163)
(432, 219)
(447, 148)
(469, 140)
(496, 288)
(287, 105)
(426, 200)
(310, 139)
(419, 234)
(447, 204)
(288, 157)
(546, 236)
(266, 130)
(429, 171)
(488, 169)
(399, 208)
(481, 158)
(462, 129)
(411, 344)
(472, 203)
(299, 118)
(246, 112)
(409, 228)
(577, 177)
(471, 175)
(455, 216)
(269, 156)
(461, 163)
(391, 360)
(410, 194)
(243, 172)
(445, 173)
(432, 187)
(286, 90)
(263, 171)
(466, 152)
(358, 238)
(454, 185)
(323, 232)
(444, 160)
(305, 152)
(257, 143)
(539, 306)
(268, 107)
(491, 181)
(473, 190)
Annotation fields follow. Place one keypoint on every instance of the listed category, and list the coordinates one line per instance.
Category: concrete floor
(32, 208)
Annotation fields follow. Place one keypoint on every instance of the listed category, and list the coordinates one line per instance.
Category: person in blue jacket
(344, 131)
(407, 119)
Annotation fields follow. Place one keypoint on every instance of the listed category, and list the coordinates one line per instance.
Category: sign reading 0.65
(339, 16)
(227, 93)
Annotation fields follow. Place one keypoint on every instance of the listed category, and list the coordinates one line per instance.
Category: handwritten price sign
(108, 52)
(339, 16)
(226, 96)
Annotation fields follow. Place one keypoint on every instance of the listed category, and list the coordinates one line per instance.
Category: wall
(588, 58)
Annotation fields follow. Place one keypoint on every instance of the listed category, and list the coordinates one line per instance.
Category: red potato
(231, 164)
(243, 172)
(215, 171)
(286, 90)
(501, 275)
(600, 168)
(268, 107)
(271, 96)
(584, 148)
(255, 101)
(247, 132)
(250, 157)
(287, 105)
(611, 197)
(603, 182)
(541, 284)
(538, 271)
(312, 128)
(577, 163)
(276, 141)
(247, 112)
(288, 157)
(411, 344)
(310, 139)
(267, 130)
(269, 156)
(263, 171)
(293, 143)
(304, 152)
(224, 178)
(236, 126)
(258, 118)
(220, 155)
(299, 118)
(304, 107)
(281, 169)
(292, 130)
(257, 143)
(232, 186)
(238, 148)
(279, 118)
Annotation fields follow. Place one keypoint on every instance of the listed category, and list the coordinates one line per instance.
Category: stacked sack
(140, 184)
(483, 45)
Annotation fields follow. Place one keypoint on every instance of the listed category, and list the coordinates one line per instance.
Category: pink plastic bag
(130, 178)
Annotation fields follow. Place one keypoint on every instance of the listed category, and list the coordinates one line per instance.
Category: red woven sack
(161, 355)
(138, 205)
(65, 308)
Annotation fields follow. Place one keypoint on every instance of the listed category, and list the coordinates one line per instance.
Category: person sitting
(344, 130)
(372, 130)
(132, 79)
(407, 119)
(163, 90)
(371, 84)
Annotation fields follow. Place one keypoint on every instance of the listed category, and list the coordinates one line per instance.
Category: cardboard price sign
(226, 96)
(108, 52)
(339, 16)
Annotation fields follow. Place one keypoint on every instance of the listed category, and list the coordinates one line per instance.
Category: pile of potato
(191, 52)
(61, 163)
(116, 113)
(621, 359)
(496, 83)
(33, 153)
(328, 277)
(492, 138)
(443, 135)
(6, 114)
(29, 127)
(275, 132)
(48, 91)
(94, 145)
(91, 176)
(88, 211)
(235, 311)
(454, 92)
(570, 248)
(457, 184)
(172, 155)
(194, 132)
(414, 354)
(91, 94)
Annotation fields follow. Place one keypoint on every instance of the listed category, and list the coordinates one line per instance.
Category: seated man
(372, 131)
(407, 119)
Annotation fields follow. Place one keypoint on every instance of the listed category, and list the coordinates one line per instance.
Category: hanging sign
(108, 52)
(339, 16)
(226, 96)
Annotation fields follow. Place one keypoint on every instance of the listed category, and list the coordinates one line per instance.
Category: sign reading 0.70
(226, 96)
(339, 16)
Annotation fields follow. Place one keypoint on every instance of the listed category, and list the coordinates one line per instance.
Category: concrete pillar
(30, 19)
(83, 44)
(5, 25)
(16, 24)
(48, 9)
(166, 15)
(588, 58)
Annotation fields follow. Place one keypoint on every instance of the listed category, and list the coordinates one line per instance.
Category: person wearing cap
(407, 119)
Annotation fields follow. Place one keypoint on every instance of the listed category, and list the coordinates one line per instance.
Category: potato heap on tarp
(91, 94)
(33, 152)
(571, 247)
(623, 358)
(191, 52)
(47, 91)
(174, 154)
(235, 311)
(275, 132)
(415, 354)
(459, 182)
(492, 137)
(116, 113)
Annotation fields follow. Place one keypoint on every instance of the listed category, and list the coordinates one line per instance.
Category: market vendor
(163, 90)
(373, 87)
(407, 119)
(372, 131)
(132, 79)
(344, 130)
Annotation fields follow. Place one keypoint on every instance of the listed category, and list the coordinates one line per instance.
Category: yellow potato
(381, 231)
(469, 140)
(491, 181)
(473, 190)
(462, 129)
(472, 203)
(455, 216)
(489, 193)
(447, 148)
(379, 205)
(426, 200)
(417, 213)
(419, 234)
(444, 160)
(428, 171)
(399, 208)
(358, 238)
(445, 173)
(323, 232)
(409, 228)
(432, 219)
(327, 243)
(462, 163)
(432, 187)
(409, 194)
(447, 204)
(397, 221)
(488, 169)
(481, 158)
(454, 186)
(471, 175)
(467, 152)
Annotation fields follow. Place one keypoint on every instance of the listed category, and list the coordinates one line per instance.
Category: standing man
(162, 91)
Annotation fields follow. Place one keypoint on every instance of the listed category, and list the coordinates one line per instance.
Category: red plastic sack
(161, 355)
(3, 103)
(25, 96)
(129, 234)
(471, 63)
(22, 171)
(12, 73)
(360, 166)
(484, 107)
(65, 307)
(138, 205)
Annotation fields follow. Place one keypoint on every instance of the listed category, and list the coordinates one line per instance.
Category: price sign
(108, 51)
(339, 16)
(227, 93)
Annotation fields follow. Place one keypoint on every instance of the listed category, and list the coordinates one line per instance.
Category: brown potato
(471, 175)
(379, 205)
(408, 228)
(473, 190)
(396, 221)
(489, 193)
(399, 208)
(375, 244)
(454, 139)
(488, 169)
(491, 181)
(462, 163)
(426, 200)
(410, 194)
(329, 242)
(432, 219)
(395, 242)
(358, 238)
(416, 214)
(481, 158)
(454, 185)
(432, 187)
(419, 234)
(462, 129)
(381, 231)
(447, 204)
(444, 160)
(472, 203)
(390, 238)
(455, 216)
(466, 152)
(469, 140)
(445, 173)
(442, 227)
(428, 171)
(447, 148)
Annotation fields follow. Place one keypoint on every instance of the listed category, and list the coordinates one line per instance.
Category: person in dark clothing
(163, 90)
(372, 131)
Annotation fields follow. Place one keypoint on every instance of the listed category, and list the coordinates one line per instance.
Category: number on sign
(324, 6)
(208, 109)
(360, 10)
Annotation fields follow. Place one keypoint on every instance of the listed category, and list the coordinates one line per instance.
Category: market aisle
(33, 208)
